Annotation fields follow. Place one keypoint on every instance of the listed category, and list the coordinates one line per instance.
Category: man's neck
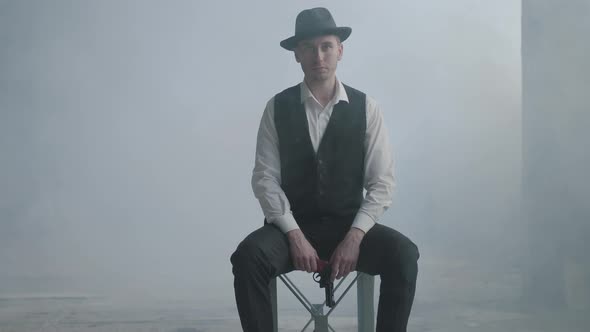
(323, 91)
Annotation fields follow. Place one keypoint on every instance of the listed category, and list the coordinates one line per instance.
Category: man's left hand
(344, 258)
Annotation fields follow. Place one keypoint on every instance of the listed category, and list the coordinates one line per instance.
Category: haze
(127, 135)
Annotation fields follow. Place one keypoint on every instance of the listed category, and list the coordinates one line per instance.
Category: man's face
(319, 57)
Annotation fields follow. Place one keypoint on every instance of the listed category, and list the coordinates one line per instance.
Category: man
(319, 144)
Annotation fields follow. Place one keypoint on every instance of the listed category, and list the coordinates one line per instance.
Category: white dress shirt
(378, 180)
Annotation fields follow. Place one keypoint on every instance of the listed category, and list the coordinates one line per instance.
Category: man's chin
(320, 77)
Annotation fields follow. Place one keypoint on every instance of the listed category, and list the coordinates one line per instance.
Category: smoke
(128, 132)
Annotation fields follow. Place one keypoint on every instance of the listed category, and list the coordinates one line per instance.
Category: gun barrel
(326, 283)
(330, 295)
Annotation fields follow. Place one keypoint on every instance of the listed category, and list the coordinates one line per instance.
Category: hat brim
(291, 43)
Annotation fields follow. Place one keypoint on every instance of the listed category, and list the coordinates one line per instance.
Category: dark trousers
(264, 254)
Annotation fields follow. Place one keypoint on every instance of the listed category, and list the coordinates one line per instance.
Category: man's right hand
(304, 256)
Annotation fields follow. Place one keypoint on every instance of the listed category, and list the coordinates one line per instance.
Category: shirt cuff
(285, 222)
(363, 222)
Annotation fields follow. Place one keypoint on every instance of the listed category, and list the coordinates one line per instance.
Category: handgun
(323, 278)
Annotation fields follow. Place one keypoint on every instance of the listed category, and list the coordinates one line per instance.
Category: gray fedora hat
(312, 23)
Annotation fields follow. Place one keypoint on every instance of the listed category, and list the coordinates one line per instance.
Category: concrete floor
(480, 301)
(87, 314)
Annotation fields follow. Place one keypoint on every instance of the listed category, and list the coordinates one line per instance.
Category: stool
(365, 290)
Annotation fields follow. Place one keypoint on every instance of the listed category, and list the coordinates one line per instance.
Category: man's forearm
(355, 234)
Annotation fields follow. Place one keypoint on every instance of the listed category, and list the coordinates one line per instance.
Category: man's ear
(296, 56)
(340, 51)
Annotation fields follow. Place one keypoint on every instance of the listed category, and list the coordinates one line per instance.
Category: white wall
(128, 132)
(556, 118)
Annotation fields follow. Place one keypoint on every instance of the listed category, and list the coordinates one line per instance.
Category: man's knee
(246, 257)
(402, 258)
(399, 248)
(407, 261)
(410, 252)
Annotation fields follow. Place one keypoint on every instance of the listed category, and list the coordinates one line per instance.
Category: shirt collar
(340, 94)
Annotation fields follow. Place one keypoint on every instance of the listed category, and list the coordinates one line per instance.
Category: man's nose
(317, 54)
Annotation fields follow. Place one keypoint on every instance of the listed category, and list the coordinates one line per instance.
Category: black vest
(328, 184)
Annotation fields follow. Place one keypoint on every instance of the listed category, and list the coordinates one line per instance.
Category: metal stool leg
(366, 314)
(365, 290)
(273, 301)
